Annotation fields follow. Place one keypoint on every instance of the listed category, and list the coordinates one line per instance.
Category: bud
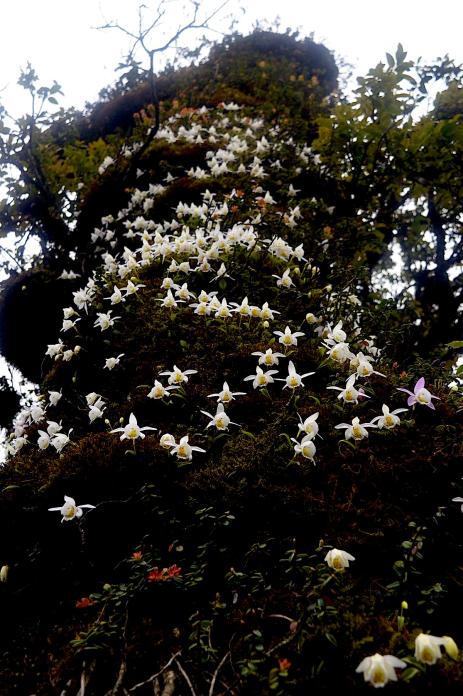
(450, 647)
(106, 587)
(311, 318)
(329, 288)
(77, 350)
(404, 605)
(265, 324)
(4, 574)
(297, 271)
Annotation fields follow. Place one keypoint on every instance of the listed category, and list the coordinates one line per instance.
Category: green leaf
(455, 344)
(390, 60)
(400, 54)
(52, 100)
(331, 639)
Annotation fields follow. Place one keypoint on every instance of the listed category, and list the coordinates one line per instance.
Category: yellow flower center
(132, 433)
(379, 675)
(357, 432)
(293, 381)
(427, 655)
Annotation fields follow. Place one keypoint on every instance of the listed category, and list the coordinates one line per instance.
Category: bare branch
(217, 670)
(186, 677)
(155, 676)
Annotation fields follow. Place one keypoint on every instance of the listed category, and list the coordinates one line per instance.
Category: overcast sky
(60, 38)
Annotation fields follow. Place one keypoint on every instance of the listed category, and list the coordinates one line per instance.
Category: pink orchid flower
(419, 395)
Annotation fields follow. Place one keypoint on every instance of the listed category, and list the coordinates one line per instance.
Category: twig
(186, 677)
(85, 678)
(119, 680)
(155, 676)
(217, 670)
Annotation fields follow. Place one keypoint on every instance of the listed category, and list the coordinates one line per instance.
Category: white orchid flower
(105, 320)
(284, 281)
(167, 441)
(306, 447)
(338, 559)
(132, 430)
(379, 669)
(268, 358)
(60, 440)
(159, 391)
(339, 352)
(266, 314)
(178, 376)
(356, 430)
(226, 395)
(309, 426)
(53, 428)
(44, 440)
(288, 337)
(350, 394)
(428, 648)
(169, 301)
(223, 310)
(96, 410)
(110, 363)
(242, 308)
(70, 510)
(54, 397)
(184, 450)
(116, 297)
(220, 420)
(389, 419)
(294, 380)
(338, 334)
(261, 378)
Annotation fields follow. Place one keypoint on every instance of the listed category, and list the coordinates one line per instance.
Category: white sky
(59, 37)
